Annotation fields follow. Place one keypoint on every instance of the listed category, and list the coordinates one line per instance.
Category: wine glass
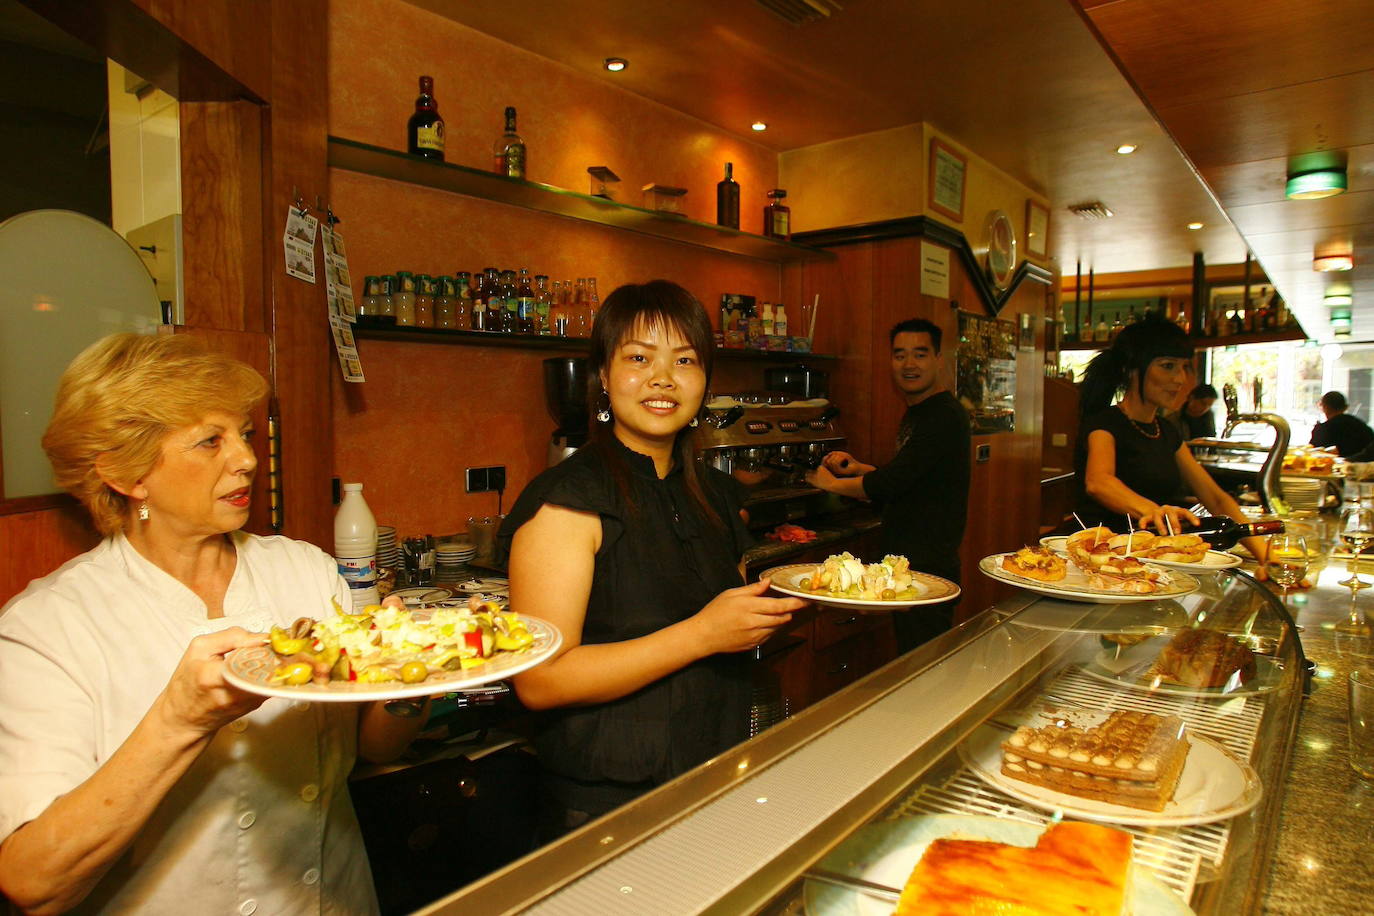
(1287, 561)
(1357, 530)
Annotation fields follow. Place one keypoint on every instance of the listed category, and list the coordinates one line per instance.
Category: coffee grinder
(565, 396)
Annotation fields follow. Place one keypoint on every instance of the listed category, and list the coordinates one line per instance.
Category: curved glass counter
(919, 741)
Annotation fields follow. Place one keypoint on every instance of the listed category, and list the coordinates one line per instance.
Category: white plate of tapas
(854, 584)
(1209, 784)
(264, 669)
(1191, 663)
(885, 853)
(489, 585)
(1076, 585)
(1212, 559)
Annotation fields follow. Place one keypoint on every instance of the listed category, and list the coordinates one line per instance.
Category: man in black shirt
(923, 491)
(1348, 433)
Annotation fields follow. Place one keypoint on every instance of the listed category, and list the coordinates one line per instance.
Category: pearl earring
(143, 511)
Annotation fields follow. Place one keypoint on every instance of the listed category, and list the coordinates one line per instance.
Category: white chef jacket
(262, 822)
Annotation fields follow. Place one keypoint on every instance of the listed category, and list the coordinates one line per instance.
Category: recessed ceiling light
(1195, 226)
(615, 64)
(1331, 262)
(1338, 299)
(759, 125)
(1316, 184)
(1126, 149)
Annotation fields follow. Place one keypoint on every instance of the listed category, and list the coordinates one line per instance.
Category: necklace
(1144, 430)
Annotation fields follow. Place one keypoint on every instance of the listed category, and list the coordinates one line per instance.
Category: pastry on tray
(1203, 658)
(1131, 758)
(1039, 563)
(1073, 868)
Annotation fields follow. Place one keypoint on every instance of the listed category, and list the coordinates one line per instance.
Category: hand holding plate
(197, 699)
(741, 618)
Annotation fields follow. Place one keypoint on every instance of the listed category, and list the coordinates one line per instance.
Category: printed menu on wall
(985, 372)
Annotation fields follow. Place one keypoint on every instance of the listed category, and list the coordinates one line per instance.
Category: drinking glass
(1357, 530)
(1287, 561)
(1361, 695)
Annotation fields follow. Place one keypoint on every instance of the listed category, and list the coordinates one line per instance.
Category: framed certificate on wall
(947, 169)
(1037, 229)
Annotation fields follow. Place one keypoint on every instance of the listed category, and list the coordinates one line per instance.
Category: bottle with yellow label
(426, 129)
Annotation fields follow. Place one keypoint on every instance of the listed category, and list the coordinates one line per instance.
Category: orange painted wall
(428, 411)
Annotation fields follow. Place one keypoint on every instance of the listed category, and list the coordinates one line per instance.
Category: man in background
(1195, 419)
(1349, 434)
(923, 490)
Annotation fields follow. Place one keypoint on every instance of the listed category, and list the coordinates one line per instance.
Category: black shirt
(1146, 461)
(924, 489)
(659, 563)
(1349, 434)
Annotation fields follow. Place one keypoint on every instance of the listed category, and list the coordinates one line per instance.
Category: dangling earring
(603, 412)
(143, 511)
(603, 415)
(693, 423)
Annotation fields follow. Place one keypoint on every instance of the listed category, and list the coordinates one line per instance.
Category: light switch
(1059, 440)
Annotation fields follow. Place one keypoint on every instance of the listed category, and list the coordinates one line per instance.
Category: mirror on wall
(89, 221)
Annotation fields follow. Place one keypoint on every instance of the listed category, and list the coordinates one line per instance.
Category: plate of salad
(844, 580)
(393, 653)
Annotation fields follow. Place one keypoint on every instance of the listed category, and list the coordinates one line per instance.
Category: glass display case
(822, 812)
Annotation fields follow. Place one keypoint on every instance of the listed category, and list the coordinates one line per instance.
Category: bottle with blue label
(355, 546)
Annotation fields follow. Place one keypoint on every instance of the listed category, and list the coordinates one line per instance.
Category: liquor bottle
(727, 199)
(558, 310)
(1085, 334)
(581, 319)
(593, 303)
(508, 154)
(1130, 315)
(543, 301)
(424, 301)
(524, 308)
(1223, 533)
(510, 318)
(425, 131)
(1103, 332)
(777, 216)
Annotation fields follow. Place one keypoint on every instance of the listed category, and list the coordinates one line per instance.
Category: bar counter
(1326, 825)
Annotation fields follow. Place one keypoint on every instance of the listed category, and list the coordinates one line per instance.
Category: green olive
(295, 673)
(805, 583)
(414, 672)
(888, 594)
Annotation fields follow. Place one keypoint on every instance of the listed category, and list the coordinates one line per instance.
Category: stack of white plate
(1303, 492)
(451, 556)
(388, 554)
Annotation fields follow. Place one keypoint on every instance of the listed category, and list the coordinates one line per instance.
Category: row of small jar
(497, 301)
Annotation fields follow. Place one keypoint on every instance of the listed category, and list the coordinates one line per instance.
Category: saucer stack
(451, 556)
(388, 555)
(1303, 492)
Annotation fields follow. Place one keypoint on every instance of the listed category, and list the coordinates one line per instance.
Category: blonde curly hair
(120, 398)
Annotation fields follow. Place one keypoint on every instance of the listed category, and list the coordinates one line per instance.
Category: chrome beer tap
(1270, 479)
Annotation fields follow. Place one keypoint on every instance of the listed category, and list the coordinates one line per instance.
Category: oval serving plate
(930, 589)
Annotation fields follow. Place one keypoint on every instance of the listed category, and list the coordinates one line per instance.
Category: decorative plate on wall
(1000, 260)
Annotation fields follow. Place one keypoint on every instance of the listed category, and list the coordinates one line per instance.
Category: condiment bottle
(443, 304)
(385, 290)
(404, 297)
(424, 301)
(766, 322)
(777, 216)
(462, 301)
(355, 546)
(370, 306)
(780, 320)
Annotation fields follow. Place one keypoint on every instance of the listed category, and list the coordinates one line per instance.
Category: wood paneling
(222, 215)
(229, 33)
(33, 544)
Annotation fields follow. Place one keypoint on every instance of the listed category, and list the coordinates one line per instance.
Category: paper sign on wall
(934, 270)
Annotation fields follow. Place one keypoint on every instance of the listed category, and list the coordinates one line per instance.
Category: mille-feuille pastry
(1203, 658)
(1073, 868)
(1131, 758)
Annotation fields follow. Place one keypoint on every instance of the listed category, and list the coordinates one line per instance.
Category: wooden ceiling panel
(1264, 181)
(1182, 51)
(1334, 113)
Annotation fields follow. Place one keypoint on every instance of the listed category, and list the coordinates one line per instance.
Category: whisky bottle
(508, 154)
(727, 199)
(425, 131)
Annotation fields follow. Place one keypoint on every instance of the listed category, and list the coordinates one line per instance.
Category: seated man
(1349, 434)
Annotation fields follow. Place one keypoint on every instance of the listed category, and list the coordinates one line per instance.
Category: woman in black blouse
(1130, 461)
(632, 548)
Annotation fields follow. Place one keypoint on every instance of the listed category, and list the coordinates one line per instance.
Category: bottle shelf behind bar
(1230, 340)
(398, 166)
(537, 342)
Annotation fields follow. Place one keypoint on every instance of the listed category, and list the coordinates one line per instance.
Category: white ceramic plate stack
(1303, 492)
(451, 557)
(387, 553)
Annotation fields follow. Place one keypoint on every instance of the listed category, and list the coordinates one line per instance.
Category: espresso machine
(768, 441)
(565, 396)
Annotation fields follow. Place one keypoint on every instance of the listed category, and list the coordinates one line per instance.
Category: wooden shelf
(558, 344)
(1209, 343)
(398, 166)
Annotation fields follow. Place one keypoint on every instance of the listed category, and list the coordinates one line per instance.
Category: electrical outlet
(486, 480)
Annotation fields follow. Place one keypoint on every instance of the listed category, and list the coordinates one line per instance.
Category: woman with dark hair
(632, 548)
(1132, 463)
